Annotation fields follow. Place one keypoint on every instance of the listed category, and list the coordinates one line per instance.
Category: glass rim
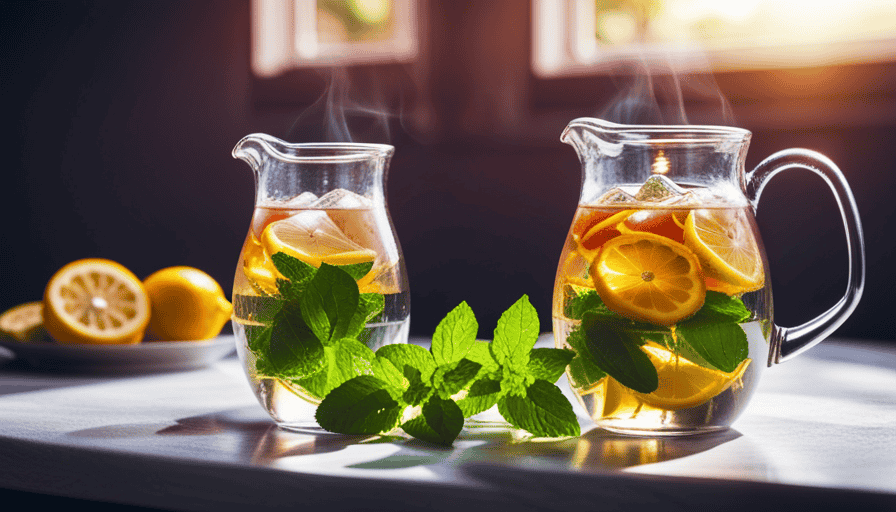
(317, 152)
(684, 134)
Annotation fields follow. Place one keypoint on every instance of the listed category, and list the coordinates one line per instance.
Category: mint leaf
(403, 356)
(718, 307)
(543, 412)
(295, 270)
(583, 372)
(450, 379)
(549, 363)
(440, 422)
(482, 395)
(255, 308)
(362, 405)
(516, 334)
(293, 349)
(329, 303)
(723, 345)
(617, 351)
(344, 359)
(418, 390)
(454, 335)
(480, 352)
(369, 305)
(357, 270)
(578, 300)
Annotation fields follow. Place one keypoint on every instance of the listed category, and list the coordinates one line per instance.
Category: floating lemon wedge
(727, 249)
(95, 301)
(648, 277)
(683, 384)
(314, 238)
(187, 304)
(258, 267)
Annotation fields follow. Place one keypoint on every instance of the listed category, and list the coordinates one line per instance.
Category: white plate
(143, 357)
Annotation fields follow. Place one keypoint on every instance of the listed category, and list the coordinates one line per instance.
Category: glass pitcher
(663, 287)
(320, 237)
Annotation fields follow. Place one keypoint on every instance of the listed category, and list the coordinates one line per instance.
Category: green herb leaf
(369, 305)
(719, 307)
(482, 396)
(480, 352)
(293, 349)
(543, 412)
(295, 270)
(617, 351)
(450, 379)
(418, 390)
(357, 270)
(583, 371)
(440, 422)
(255, 308)
(723, 345)
(578, 300)
(362, 405)
(403, 356)
(549, 363)
(516, 334)
(329, 303)
(345, 359)
(454, 335)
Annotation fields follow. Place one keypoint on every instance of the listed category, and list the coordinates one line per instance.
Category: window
(295, 34)
(594, 36)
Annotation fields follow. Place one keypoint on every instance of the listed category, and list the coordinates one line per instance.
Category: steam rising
(656, 94)
(353, 108)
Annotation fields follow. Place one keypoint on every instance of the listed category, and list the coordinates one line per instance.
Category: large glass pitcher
(320, 214)
(663, 287)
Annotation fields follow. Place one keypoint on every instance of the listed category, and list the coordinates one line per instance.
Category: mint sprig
(458, 377)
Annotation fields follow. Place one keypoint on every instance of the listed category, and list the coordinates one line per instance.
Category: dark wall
(119, 118)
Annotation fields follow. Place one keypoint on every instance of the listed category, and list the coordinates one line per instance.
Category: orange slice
(649, 277)
(683, 384)
(95, 301)
(727, 249)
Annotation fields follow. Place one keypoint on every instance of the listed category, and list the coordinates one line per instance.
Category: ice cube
(341, 198)
(616, 196)
(303, 200)
(689, 198)
(658, 188)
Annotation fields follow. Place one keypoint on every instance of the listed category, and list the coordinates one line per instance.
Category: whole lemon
(186, 304)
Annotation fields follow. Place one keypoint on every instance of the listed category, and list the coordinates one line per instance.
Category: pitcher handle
(787, 342)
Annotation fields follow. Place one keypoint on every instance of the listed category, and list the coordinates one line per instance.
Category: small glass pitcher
(317, 205)
(663, 287)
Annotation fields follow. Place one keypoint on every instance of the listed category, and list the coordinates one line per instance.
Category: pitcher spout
(253, 148)
(589, 136)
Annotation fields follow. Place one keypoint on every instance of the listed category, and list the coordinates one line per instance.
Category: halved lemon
(23, 323)
(186, 304)
(727, 249)
(683, 384)
(649, 277)
(314, 238)
(95, 301)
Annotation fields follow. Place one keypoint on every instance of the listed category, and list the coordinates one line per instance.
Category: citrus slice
(659, 222)
(648, 277)
(95, 301)
(314, 238)
(683, 384)
(23, 323)
(258, 267)
(597, 235)
(727, 249)
(186, 304)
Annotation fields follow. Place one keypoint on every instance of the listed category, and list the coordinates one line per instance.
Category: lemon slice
(589, 243)
(258, 267)
(187, 304)
(683, 384)
(95, 301)
(23, 323)
(648, 277)
(314, 238)
(727, 249)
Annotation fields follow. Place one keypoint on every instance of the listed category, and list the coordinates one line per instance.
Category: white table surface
(820, 431)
